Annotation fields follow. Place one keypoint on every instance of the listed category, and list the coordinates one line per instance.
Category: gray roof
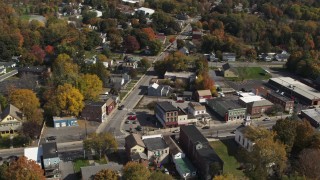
(173, 147)
(279, 96)
(138, 156)
(50, 150)
(134, 139)
(96, 104)
(88, 172)
(155, 143)
(167, 106)
(312, 114)
(12, 111)
(187, 93)
(194, 134)
(225, 103)
(261, 103)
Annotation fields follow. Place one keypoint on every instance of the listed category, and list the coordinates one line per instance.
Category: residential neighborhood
(144, 89)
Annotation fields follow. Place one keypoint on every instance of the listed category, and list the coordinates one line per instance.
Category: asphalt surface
(9, 74)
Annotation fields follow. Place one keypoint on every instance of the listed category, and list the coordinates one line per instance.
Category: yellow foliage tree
(90, 86)
(106, 174)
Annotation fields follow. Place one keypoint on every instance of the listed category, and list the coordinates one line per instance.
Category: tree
(133, 73)
(150, 33)
(3, 102)
(304, 136)
(266, 153)
(90, 86)
(180, 43)
(145, 63)
(39, 53)
(227, 177)
(100, 143)
(309, 163)
(64, 70)
(155, 47)
(131, 44)
(157, 175)
(275, 109)
(24, 169)
(27, 101)
(31, 129)
(286, 132)
(65, 100)
(135, 171)
(106, 174)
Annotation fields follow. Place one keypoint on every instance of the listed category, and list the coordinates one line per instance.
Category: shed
(64, 121)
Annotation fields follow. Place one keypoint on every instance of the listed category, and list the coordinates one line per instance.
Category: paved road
(249, 64)
(9, 74)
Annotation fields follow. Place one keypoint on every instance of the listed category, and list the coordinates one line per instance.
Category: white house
(146, 11)
(242, 140)
(99, 13)
(184, 118)
(196, 108)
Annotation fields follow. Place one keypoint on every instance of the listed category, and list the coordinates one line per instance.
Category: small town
(159, 90)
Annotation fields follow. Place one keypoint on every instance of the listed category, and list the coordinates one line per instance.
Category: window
(239, 138)
(243, 141)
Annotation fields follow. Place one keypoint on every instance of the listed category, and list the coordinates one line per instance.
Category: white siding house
(242, 140)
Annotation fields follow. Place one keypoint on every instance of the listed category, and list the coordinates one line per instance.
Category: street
(9, 74)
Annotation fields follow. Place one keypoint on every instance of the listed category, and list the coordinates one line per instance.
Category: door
(57, 125)
(63, 124)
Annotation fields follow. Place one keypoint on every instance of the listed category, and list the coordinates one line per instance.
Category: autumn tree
(65, 100)
(304, 134)
(145, 63)
(157, 175)
(27, 101)
(309, 164)
(31, 129)
(266, 153)
(180, 43)
(106, 174)
(39, 53)
(90, 86)
(286, 132)
(24, 169)
(204, 81)
(150, 33)
(64, 70)
(131, 44)
(135, 171)
(100, 143)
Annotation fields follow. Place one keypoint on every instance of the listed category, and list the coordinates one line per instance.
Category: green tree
(3, 102)
(90, 86)
(155, 47)
(27, 101)
(135, 171)
(100, 143)
(64, 70)
(303, 139)
(106, 174)
(286, 132)
(180, 43)
(145, 63)
(157, 175)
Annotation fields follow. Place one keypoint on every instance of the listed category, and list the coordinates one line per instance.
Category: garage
(57, 125)
(64, 121)
(63, 124)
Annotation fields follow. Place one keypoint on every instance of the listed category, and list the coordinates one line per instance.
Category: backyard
(248, 73)
(227, 150)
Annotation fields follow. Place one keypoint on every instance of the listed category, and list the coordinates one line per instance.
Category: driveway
(67, 171)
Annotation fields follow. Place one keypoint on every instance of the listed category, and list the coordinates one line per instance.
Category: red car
(133, 117)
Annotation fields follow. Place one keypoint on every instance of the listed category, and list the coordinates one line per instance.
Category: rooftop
(185, 165)
(196, 106)
(262, 103)
(194, 134)
(279, 96)
(88, 172)
(313, 114)
(167, 106)
(225, 103)
(173, 146)
(134, 139)
(12, 111)
(155, 143)
(97, 104)
(297, 87)
(33, 153)
(249, 99)
(50, 150)
(179, 74)
(204, 92)
(55, 118)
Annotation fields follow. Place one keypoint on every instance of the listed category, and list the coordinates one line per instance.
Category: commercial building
(228, 109)
(64, 121)
(199, 151)
(50, 160)
(313, 116)
(184, 76)
(296, 90)
(282, 100)
(166, 114)
(95, 111)
(256, 105)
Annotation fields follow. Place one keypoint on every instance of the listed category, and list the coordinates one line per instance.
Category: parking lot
(69, 134)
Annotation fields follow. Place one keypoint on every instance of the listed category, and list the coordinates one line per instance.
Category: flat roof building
(313, 116)
(228, 109)
(296, 90)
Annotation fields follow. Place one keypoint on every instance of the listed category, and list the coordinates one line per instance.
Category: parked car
(206, 127)
(51, 138)
(266, 119)
(121, 107)
(133, 117)
(180, 101)
(127, 122)
(134, 122)
(138, 128)
(131, 113)
(176, 131)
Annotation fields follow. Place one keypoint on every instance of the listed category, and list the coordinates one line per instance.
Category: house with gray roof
(159, 90)
(11, 120)
(156, 149)
(313, 116)
(229, 70)
(50, 160)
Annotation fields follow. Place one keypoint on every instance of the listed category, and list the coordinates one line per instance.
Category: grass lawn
(227, 149)
(122, 94)
(252, 73)
(78, 163)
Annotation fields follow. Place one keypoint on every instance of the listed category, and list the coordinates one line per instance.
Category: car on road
(51, 138)
(176, 131)
(138, 128)
(132, 117)
(121, 107)
(127, 122)
(233, 132)
(131, 113)
(180, 101)
(206, 127)
(266, 119)
(134, 122)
